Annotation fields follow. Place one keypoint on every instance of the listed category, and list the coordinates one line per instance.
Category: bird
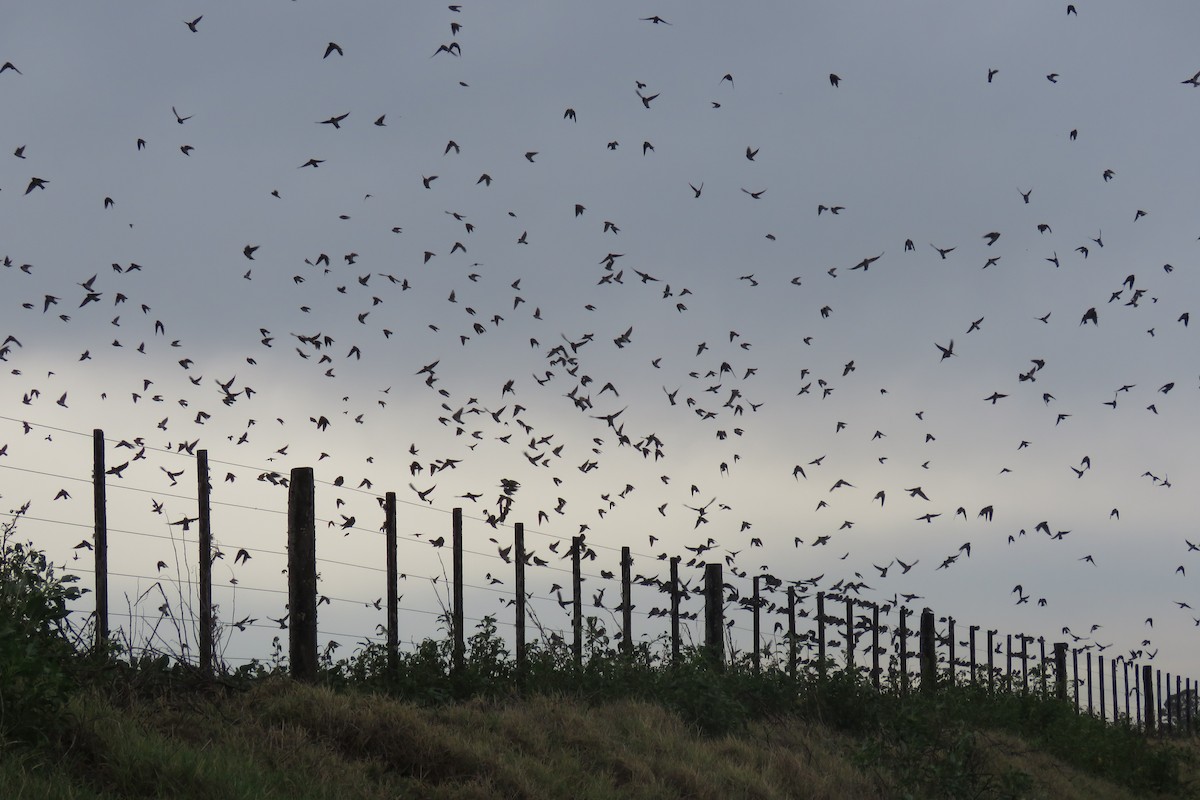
(834, 80)
(178, 118)
(192, 25)
(332, 47)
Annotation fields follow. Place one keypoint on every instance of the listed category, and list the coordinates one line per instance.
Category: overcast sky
(741, 329)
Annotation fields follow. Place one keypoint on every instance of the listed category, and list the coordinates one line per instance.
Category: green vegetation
(75, 725)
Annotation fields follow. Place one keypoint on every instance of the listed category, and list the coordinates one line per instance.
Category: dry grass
(287, 740)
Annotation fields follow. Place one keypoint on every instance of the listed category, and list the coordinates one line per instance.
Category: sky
(688, 227)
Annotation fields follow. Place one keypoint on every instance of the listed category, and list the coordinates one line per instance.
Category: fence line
(864, 627)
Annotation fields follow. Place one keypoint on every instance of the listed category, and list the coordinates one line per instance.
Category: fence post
(203, 489)
(1100, 674)
(714, 616)
(1166, 703)
(821, 634)
(577, 601)
(791, 595)
(626, 602)
(991, 661)
(971, 643)
(875, 677)
(1137, 688)
(302, 575)
(1125, 670)
(1075, 675)
(1088, 662)
(1042, 652)
(756, 652)
(849, 636)
(460, 636)
(903, 651)
(1024, 664)
(1008, 656)
(928, 652)
(675, 609)
(1148, 697)
(393, 580)
(519, 588)
(101, 538)
(950, 637)
(1060, 670)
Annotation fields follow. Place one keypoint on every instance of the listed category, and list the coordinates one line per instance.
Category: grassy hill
(98, 724)
(277, 738)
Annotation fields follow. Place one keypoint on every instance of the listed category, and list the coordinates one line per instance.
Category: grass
(620, 725)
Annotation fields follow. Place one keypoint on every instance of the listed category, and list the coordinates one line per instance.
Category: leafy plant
(36, 653)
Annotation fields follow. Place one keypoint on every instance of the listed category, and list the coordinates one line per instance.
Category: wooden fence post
(1166, 704)
(1100, 673)
(626, 602)
(519, 588)
(875, 676)
(1060, 670)
(460, 635)
(849, 636)
(1148, 697)
(393, 580)
(1088, 663)
(1042, 652)
(1024, 663)
(1137, 688)
(99, 505)
(903, 651)
(1125, 670)
(1008, 656)
(1075, 675)
(928, 652)
(756, 654)
(991, 661)
(714, 615)
(950, 638)
(971, 643)
(577, 601)
(791, 595)
(675, 609)
(203, 489)
(821, 634)
(302, 575)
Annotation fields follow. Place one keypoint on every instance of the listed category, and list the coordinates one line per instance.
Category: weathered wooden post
(1100, 675)
(100, 514)
(1088, 663)
(577, 601)
(991, 660)
(460, 634)
(1024, 664)
(971, 643)
(791, 595)
(875, 676)
(675, 609)
(849, 636)
(519, 589)
(1116, 708)
(950, 638)
(1148, 697)
(302, 575)
(928, 652)
(626, 602)
(1042, 654)
(1008, 657)
(203, 490)
(903, 651)
(393, 580)
(714, 615)
(821, 634)
(1125, 669)
(1075, 675)
(1060, 670)
(756, 656)
(1137, 688)
(1166, 703)
(1188, 705)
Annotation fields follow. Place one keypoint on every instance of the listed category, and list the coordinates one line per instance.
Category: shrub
(36, 653)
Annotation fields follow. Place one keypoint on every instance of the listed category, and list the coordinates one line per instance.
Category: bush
(36, 653)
